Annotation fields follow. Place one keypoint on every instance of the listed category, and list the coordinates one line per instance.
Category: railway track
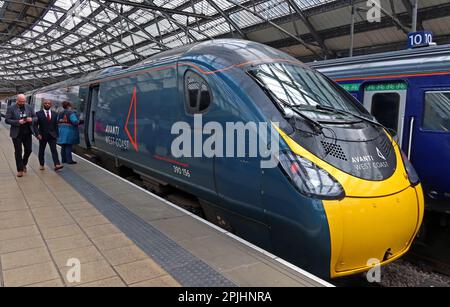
(434, 265)
(431, 250)
(402, 273)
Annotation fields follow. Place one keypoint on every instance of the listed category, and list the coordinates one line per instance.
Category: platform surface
(121, 234)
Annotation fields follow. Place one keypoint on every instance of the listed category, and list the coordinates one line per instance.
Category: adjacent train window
(437, 111)
(198, 94)
(386, 108)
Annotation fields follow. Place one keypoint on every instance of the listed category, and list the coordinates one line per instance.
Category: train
(31, 99)
(3, 107)
(4, 104)
(408, 91)
(341, 194)
(8, 101)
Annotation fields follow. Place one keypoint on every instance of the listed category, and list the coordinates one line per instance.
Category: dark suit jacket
(43, 127)
(13, 116)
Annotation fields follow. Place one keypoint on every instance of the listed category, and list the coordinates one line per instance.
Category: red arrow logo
(133, 109)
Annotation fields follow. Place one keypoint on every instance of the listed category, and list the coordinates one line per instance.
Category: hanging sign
(420, 39)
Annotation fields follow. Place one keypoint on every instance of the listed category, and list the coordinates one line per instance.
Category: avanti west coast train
(5, 103)
(342, 193)
(8, 101)
(409, 92)
(3, 107)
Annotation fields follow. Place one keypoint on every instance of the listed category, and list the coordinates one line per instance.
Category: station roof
(45, 41)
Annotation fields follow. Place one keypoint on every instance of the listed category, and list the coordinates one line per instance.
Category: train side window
(436, 115)
(386, 108)
(198, 94)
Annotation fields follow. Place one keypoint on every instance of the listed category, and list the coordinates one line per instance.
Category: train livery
(342, 193)
(409, 92)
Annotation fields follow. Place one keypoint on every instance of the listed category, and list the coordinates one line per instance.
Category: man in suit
(21, 117)
(46, 129)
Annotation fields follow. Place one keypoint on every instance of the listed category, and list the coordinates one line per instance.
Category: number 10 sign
(420, 39)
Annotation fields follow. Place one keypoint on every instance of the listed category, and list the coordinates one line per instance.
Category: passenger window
(386, 108)
(437, 111)
(198, 94)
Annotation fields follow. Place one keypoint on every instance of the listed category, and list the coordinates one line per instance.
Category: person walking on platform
(68, 132)
(46, 129)
(21, 117)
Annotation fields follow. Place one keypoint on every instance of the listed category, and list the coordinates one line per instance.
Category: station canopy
(45, 41)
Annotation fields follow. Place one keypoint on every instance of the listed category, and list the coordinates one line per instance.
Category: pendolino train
(342, 194)
(5, 103)
(3, 107)
(409, 92)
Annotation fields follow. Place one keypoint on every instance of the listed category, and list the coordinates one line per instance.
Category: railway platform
(117, 234)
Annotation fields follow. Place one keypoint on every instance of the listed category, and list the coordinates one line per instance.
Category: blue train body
(421, 79)
(127, 116)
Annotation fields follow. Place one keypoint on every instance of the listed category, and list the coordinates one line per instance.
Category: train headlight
(412, 174)
(310, 179)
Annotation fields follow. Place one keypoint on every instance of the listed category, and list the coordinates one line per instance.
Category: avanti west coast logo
(380, 154)
(232, 140)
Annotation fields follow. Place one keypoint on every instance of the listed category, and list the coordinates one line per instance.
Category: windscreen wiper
(315, 124)
(318, 127)
(343, 112)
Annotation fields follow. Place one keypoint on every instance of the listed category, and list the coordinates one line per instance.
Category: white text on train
(230, 141)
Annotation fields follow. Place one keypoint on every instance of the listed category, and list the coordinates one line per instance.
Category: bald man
(21, 117)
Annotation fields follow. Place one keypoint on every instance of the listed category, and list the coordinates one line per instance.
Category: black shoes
(71, 162)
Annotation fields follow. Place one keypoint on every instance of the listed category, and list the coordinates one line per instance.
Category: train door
(83, 96)
(234, 181)
(89, 132)
(387, 102)
(11, 102)
(429, 145)
(197, 169)
(2, 109)
(29, 100)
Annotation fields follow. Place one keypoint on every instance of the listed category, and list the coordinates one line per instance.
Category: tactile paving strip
(186, 268)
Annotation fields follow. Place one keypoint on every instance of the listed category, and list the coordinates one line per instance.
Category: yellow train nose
(381, 228)
(377, 219)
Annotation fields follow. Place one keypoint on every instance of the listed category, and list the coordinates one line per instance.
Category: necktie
(48, 115)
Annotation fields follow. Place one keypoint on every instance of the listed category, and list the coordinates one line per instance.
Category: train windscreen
(299, 87)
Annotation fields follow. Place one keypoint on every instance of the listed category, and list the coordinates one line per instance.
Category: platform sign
(420, 39)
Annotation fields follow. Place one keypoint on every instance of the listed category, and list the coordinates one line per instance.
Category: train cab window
(198, 94)
(437, 111)
(386, 108)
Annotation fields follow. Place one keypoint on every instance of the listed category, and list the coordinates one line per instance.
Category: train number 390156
(182, 171)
